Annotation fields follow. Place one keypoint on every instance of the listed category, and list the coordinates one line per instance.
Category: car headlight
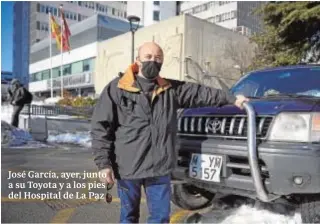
(297, 127)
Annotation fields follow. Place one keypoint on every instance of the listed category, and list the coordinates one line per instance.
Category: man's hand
(13, 102)
(107, 176)
(240, 100)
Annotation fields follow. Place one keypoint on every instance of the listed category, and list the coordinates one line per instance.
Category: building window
(156, 15)
(69, 69)
(79, 3)
(88, 65)
(156, 2)
(38, 76)
(38, 7)
(38, 25)
(42, 9)
(67, 14)
(46, 75)
(233, 14)
(101, 8)
(77, 67)
(66, 70)
(55, 11)
(43, 26)
(113, 11)
(56, 72)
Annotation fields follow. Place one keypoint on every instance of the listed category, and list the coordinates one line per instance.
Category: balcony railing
(70, 81)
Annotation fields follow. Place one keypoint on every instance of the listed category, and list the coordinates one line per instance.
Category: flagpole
(50, 38)
(61, 50)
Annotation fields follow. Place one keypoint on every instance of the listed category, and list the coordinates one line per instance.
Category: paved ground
(57, 160)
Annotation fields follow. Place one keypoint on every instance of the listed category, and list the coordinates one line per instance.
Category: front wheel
(310, 209)
(189, 197)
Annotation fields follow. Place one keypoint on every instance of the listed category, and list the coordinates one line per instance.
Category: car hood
(266, 106)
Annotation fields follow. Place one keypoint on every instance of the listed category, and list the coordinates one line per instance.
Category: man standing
(19, 96)
(134, 129)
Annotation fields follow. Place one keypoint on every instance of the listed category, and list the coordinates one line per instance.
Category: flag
(55, 31)
(66, 33)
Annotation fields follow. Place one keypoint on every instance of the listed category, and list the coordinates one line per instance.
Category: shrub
(65, 102)
(77, 101)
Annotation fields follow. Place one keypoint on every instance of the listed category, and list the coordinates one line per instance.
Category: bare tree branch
(241, 53)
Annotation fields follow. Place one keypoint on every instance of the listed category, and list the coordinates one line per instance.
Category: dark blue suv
(270, 151)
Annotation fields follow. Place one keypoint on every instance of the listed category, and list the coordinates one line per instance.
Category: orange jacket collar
(127, 81)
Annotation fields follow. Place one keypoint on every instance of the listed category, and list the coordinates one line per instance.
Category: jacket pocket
(126, 105)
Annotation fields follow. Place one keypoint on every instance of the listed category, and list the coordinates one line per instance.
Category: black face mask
(150, 69)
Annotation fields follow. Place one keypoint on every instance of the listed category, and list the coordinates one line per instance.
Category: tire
(188, 197)
(310, 209)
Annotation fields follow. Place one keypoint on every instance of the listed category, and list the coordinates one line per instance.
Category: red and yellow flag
(56, 32)
(66, 33)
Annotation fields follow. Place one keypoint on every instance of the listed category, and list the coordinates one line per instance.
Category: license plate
(205, 167)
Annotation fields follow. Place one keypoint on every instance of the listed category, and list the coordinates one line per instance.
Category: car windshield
(290, 81)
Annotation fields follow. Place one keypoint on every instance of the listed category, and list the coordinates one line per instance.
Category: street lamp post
(134, 20)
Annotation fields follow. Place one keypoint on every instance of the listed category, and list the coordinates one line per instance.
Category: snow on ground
(78, 138)
(14, 137)
(244, 214)
(52, 101)
(247, 214)
(6, 111)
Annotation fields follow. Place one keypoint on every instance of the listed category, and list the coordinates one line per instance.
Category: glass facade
(74, 68)
(21, 19)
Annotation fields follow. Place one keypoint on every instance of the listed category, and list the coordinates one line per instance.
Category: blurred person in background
(19, 96)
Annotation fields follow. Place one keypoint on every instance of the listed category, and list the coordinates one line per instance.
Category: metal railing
(55, 110)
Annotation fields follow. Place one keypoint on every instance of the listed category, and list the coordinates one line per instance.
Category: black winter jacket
(137, 137)
(18, 95)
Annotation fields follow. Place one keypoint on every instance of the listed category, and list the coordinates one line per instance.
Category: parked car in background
(281, 161)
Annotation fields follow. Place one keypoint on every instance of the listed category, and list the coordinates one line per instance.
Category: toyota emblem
(214, 125)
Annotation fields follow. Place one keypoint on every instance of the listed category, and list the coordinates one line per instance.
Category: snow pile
(15, 137)
(47, 101)
(6, 111)
(247, 214)
(52, 101)
(78, 138)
